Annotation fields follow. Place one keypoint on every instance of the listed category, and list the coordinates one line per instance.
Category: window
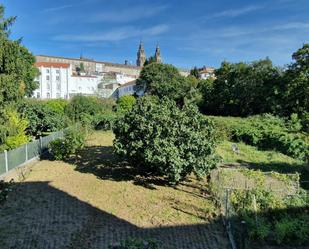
(57, 71)
(47, 70)
(58, 86)
(57, 78)
(48, 95)
(38, 95)
(47, 77)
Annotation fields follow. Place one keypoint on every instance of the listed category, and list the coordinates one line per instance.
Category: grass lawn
(94, 200)
(263, 160)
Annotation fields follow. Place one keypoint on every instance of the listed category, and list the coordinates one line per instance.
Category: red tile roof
(52, 64)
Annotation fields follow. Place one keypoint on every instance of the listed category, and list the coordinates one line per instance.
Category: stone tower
(158, 55)
(141, 56)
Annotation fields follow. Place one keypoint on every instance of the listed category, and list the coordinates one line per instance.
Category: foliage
(5, 189)
(104, 121)
(80, 105)
(296, 83)
(134, 243)
(13, 129)
(271, 216)
(161, 139)
(195, 73)
(17, 69)
(125, 103)
(57, 105)
(265, 132)
(43, 116)
(74, 139)
(162, 80)
(150, 60)
(242, 89)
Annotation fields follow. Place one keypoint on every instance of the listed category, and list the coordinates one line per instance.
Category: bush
(74, 139)
(13, 130)
(161, 139)
(104, 121)
(125, 103)
(57, 105)
(81, 105)
(43, 116)
(266, 132)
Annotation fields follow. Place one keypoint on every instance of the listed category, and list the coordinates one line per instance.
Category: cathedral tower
(141, 56)
(158, 55)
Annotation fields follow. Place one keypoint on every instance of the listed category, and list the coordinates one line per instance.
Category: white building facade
(58, 80)
(54, 80)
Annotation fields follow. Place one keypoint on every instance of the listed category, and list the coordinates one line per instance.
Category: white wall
(53, 83)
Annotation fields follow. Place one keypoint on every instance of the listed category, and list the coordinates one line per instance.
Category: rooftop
(52, 64)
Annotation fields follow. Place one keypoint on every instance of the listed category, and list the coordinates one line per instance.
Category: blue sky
(196, 32)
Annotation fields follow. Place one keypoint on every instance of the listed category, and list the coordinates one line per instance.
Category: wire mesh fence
(242, 199)
(16, 157)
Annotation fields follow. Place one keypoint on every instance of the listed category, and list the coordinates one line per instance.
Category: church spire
(141, 56)
(158, 54)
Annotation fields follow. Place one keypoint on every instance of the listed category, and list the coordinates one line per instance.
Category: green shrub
(125, 103)
(134, 243)
(5, 189)
(57, 105)
(266, 132)
(13, 130)
(59, 148)
(43, 117)
(161, 139)
(81, 105)
(104, 121)
(74, 139)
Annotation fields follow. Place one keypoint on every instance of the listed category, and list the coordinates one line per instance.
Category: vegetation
(74, 139)
(17, 74)
(5, 189)
(161, 139)
(125, 104)
(266, 132)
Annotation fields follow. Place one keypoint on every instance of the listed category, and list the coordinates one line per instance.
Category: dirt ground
(96, 200)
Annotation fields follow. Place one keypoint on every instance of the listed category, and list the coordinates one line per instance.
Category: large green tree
(164, 80)
(296, 87)
(161, 139)
(17, 73)
(242, 89)
(17, 70)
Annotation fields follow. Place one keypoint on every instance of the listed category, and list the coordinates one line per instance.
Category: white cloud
(236, 12)
(127, 14)
(115, 35)
(58, 8)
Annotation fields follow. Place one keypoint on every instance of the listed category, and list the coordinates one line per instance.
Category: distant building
(53, 80)
(157, 56)
(128, 89)
(62, 77)
(207, 72)
(141, 55)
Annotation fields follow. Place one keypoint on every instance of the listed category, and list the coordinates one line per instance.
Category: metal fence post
(6, 161)
(41, 145)
(26, 150)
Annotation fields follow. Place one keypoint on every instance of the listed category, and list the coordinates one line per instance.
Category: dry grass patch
(96, 199)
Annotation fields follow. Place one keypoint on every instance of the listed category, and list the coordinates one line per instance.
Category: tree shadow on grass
(285, 168)
(103, 163)
(38, 215)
